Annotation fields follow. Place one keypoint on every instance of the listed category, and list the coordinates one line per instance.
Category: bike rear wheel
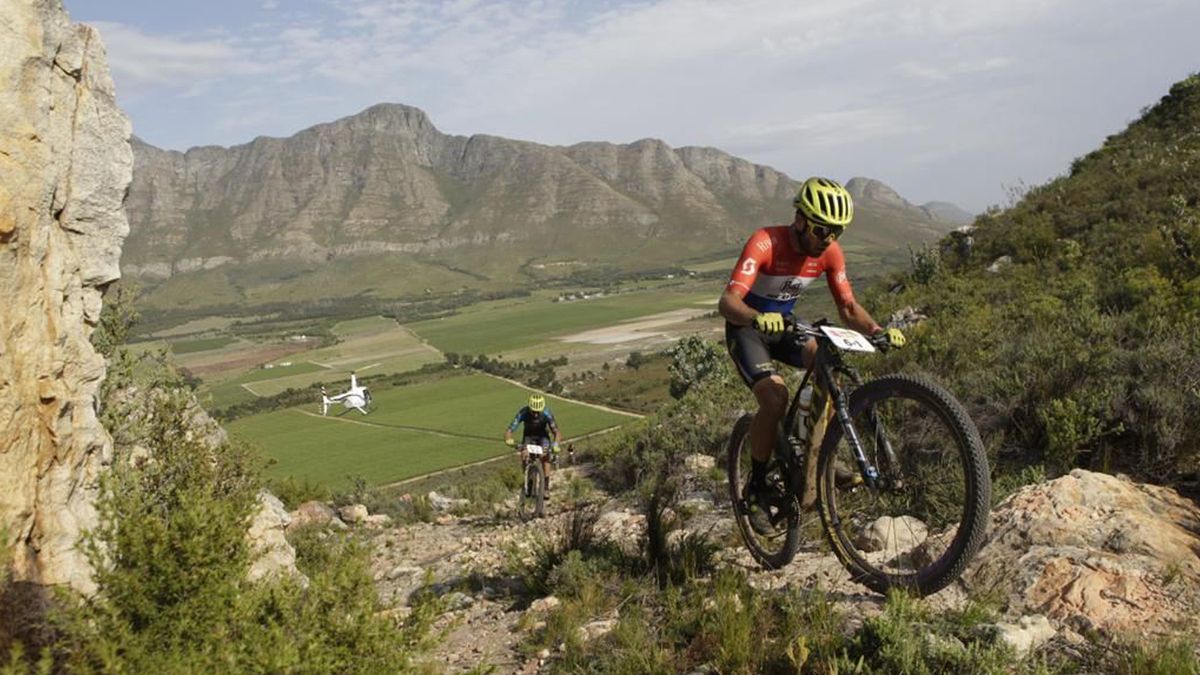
(532, 503)
(920, 528)
(777, 548)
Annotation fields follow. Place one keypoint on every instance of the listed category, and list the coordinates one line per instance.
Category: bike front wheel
(926, 518)
(532, 502)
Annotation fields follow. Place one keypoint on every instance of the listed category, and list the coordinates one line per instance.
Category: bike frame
(828, 402)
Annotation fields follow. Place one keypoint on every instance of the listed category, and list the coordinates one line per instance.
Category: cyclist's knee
(772, 396)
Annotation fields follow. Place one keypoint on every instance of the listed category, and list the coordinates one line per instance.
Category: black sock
(758, 472)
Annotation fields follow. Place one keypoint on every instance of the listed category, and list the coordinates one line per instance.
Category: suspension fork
(893, 479)
(841, 408)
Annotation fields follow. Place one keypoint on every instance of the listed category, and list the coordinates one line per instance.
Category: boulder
(377, 520)
(544, 605)
(1026, 634)
(623, 528)
(312, 513)
(353, 513)
(902, 533)
(1094, 550)
(440, 502)
(699, 465)
(273, 555)
(999, 263)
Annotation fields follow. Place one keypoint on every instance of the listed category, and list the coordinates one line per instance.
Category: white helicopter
(355, 398)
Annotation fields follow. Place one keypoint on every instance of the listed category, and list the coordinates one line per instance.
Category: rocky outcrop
(1093, 551)
(272, 554)
(66, 164)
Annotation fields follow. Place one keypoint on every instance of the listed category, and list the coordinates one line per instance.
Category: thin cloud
(825, 129)
(937, 73)
(141, 61)
(868, 85)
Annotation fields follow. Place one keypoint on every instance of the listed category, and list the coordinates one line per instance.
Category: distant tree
(635, 360)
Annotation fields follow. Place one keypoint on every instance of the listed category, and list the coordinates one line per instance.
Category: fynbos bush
(692, 360)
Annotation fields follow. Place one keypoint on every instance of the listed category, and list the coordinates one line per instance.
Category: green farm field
(412, 431)
(512, 325)
(370, 345)
(202, 344)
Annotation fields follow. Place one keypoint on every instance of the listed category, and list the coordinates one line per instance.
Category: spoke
(925, 485)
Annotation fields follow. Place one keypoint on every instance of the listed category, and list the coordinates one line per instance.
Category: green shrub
(692, 360)
(170, 557)
(907, 638)
(1171, 656)
(926, 263)
(293, 492)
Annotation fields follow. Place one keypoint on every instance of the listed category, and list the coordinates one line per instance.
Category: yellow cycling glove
(769, 323)
(895, 338)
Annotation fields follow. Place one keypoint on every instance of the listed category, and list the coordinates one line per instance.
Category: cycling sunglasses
(824, 232)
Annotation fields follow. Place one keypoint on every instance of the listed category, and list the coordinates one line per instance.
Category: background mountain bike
(894, 467)
(531, 503)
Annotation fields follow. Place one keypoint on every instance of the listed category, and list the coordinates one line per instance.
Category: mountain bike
(894, 468)
(532, 500)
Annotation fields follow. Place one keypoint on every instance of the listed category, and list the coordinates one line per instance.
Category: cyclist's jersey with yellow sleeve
(770, 274)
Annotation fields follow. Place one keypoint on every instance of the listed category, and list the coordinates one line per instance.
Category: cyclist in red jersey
(776, 265)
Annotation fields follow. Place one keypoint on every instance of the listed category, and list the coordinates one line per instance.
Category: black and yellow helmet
(537, 403)
(824, 202)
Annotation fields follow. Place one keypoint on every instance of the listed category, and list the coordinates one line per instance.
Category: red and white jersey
(771, 274)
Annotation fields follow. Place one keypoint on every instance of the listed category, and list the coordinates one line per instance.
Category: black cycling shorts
(755, 354)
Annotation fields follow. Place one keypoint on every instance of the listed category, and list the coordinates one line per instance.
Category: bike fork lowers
(869, 472)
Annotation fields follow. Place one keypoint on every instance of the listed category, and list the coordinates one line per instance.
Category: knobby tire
(533, 497)
(963, 439)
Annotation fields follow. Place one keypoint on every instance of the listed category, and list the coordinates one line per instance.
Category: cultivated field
(435, 424)
(370, 345)
(510, 325)
(413, 430)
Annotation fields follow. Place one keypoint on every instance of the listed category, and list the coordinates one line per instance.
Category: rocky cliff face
(66, 164)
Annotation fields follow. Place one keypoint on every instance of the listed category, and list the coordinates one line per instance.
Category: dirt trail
(468, 562)
(471, 562)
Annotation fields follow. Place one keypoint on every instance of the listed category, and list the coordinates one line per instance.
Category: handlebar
(796, 328)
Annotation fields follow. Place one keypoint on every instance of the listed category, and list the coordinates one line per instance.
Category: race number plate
(849, 340)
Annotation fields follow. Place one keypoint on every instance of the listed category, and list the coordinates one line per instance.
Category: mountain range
(476, 209)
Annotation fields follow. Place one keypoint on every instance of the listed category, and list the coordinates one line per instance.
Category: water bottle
(805, 405)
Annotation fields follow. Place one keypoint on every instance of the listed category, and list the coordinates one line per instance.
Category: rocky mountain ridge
(387, 181)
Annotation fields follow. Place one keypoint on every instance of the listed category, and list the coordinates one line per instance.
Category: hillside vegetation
(1083, 350)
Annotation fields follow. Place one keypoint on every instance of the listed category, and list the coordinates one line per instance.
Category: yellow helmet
(537, 403)
(824, 202)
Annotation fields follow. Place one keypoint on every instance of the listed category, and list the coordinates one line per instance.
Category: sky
(966, 101)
